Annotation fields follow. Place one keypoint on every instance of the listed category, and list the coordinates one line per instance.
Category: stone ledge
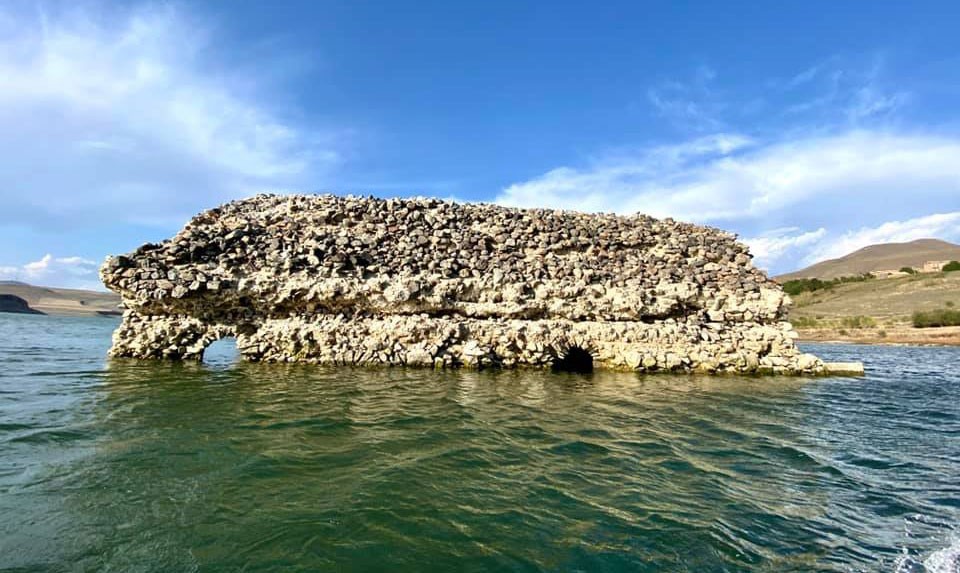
(843, 369)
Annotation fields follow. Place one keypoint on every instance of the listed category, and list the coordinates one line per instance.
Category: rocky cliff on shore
(15, 304)
(348, 280)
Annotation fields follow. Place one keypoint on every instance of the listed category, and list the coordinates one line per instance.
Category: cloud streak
(76, 272)
(773, 245)
(731, 177)
(137, 117)
(834, 188)
(810, 247)
(941, 225)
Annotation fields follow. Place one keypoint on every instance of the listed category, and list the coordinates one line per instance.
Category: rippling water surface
(129, 466)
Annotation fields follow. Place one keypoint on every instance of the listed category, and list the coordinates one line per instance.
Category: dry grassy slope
(888, 300)
(879, 257)
(61, 301)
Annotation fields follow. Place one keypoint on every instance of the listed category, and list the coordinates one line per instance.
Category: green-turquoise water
(224, 466)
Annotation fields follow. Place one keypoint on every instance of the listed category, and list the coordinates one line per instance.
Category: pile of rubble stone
(352, 280)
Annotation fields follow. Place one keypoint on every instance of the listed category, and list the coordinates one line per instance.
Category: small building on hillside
(933, 266)
(889, 274)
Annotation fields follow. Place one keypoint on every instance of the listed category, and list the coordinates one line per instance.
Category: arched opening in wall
(221, 352)
(576, 360)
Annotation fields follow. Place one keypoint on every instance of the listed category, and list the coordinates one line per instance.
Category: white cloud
(130, 112)
(770, 247)
(840, 160)
(842, 175)
(826, 184)
(626, 183)
(792, 248)
(940, 225)
(76, 272)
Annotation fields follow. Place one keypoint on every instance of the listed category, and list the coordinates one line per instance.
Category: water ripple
(185, 467)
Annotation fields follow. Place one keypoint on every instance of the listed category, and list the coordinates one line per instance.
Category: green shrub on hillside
(941, 317)
(951, 266)
(855, 278)
(797, 286)
(858, 322)
(908, 270)
(805, 322)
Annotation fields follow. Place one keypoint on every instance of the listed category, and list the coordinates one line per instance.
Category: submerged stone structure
(350, 280)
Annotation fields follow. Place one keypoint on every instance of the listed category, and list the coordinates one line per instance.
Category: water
(242, 467)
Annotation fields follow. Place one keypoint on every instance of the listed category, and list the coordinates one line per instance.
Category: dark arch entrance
(576, 360)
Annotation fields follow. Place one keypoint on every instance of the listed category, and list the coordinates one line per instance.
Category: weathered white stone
(346, 280)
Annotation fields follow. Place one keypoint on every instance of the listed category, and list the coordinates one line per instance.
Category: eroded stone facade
(348, 280)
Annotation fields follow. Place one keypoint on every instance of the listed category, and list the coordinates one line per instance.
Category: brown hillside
(888, 256)
(879, 310)
(63, 301)
(883, 299)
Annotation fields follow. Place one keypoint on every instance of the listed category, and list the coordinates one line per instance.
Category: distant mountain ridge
(63, 301)
(881, 257)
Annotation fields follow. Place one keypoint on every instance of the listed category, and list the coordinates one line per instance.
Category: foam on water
(944, 560)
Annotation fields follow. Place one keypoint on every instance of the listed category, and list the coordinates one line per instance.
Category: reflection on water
(169, 467)
(222, 352)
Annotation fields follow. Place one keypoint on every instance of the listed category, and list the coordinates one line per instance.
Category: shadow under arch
(576, 359)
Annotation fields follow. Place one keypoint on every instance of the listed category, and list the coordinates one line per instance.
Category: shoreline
(887, 336)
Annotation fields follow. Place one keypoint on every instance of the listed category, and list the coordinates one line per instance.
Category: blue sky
(809, 128)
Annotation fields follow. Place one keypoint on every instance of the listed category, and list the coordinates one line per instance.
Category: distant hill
(887, 256)
(63, 301)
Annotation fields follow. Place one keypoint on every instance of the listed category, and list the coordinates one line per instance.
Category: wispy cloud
(940, 225)
(722, 178)
(870, 102)
(809, 247)
(139, 117)
(804, 77)
(829, 157)
(75, 272)
(837, 90)
(691, 104)
(768, 248)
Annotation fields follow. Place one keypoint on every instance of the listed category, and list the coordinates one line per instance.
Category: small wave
(945, 560)
(579, 448)
(51, 436)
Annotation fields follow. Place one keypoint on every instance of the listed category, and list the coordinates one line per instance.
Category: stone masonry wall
(347, 280)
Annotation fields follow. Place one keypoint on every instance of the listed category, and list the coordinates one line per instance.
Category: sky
(809, 128)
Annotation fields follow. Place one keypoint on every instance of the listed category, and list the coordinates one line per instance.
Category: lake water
(127, 466)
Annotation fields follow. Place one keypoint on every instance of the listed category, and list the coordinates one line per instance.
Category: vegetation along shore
(912, 308)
